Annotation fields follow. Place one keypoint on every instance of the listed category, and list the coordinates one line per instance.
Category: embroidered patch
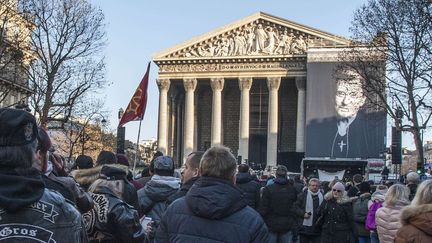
(101, 205)
(47, 209)
(28, 131)
(25, 231)
(89, 219)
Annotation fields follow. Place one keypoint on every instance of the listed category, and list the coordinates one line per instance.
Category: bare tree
(393, 53)
(68, 40)
(84, 133)
(15, 30)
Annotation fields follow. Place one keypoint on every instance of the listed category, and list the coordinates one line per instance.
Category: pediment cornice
(257, 37)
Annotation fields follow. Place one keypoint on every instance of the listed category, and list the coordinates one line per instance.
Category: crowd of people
(213, 200)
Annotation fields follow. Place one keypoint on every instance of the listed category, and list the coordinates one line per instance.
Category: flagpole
(137, 149)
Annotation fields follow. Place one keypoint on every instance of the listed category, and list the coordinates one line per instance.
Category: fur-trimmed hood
(85, 177)
(418, 216)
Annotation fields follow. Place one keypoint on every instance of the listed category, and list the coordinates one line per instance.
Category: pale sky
(137, 29)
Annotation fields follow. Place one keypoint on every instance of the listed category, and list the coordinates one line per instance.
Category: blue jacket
(212, 211)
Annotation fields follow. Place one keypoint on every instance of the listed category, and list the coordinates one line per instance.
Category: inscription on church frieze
(232, 67)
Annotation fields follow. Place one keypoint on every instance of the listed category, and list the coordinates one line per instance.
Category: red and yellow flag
(137, 106)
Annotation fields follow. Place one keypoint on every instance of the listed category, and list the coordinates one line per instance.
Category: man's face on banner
(349, 95)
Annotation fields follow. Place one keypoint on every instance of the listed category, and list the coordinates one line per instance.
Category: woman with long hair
(387, 218)
(417, 218)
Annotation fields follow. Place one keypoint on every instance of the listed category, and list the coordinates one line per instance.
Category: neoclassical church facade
(243, 86)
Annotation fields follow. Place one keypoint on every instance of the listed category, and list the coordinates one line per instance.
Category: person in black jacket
(112, 219)
(307, 205)
(30, 212)
(65, 185)
(335, 217)
(190, 174)
(277, 208)
(354, 190)
(248, 185)
(213, 210)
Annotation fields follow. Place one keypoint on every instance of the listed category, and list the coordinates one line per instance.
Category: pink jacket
(388, 222)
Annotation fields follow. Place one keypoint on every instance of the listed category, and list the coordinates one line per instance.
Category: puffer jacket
(416, 224)
(360, 209)
(277, 206)
(387, 220)
(152, 198)
(112, 220)
(250, 188)
(29, 212)
(185, 187)
(338, 220)
(212, 211)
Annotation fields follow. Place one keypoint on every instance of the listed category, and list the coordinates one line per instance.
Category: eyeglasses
(335, 190)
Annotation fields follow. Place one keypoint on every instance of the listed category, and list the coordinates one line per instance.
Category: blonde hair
(424, 194)
(397, 193)
(116, 186)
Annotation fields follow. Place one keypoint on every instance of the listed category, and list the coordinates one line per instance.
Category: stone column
(172, 121)
(273, 84)
(245, 85)
(189, 86)
(217, 85)
(163, 85)
(301, 113)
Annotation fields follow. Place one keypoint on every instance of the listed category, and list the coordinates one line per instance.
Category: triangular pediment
(258, 35)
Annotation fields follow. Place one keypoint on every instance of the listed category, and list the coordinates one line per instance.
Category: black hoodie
(33, 213)
(20, 188)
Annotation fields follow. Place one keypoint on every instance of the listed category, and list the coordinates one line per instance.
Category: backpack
(370, 218)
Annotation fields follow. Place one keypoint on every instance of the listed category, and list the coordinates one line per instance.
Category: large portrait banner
(340, 121)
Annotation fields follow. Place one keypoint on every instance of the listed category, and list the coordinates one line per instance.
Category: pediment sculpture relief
(257, 38)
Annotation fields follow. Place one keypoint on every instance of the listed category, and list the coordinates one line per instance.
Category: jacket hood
(188, 184)
(281, 180)
(85, 177)
(243, 177)
(20, 188)
(159, 188)
(418, 216)
(214, 198)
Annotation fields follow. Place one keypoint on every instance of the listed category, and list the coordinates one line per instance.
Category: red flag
(137, 106)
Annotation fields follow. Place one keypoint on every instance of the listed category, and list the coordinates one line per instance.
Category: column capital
(163, 84)
(301, 83)
(245, 83)
(217, 84)
(273, 83)
(189, 84)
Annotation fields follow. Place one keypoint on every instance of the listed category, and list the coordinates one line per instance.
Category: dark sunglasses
(337, 190)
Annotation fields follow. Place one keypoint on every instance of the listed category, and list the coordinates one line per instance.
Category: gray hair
(397, 193)
(314, 180)
(423, 194)
(18, 156)
(413, 177)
